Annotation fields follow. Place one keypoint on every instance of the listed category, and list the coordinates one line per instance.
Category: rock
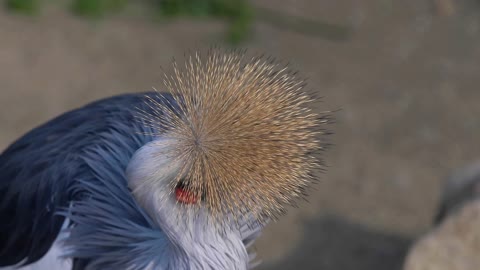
(453, 245)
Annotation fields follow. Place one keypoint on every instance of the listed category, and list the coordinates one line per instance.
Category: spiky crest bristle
(245, 136)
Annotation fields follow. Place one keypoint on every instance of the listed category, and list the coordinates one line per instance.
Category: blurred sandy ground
(406, 81)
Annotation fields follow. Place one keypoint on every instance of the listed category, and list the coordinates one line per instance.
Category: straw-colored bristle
(245, 136)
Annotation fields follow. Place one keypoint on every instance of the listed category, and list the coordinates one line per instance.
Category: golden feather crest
(245, 136)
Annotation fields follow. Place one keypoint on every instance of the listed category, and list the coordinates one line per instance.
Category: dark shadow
(331, 243)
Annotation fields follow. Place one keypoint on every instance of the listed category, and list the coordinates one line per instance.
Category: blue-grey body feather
(74, 166)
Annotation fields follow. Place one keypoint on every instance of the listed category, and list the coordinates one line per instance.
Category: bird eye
(181, 184)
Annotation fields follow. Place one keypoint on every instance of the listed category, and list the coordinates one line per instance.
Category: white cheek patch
(150, 172)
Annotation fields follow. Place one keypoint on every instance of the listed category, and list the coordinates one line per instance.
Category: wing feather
(37, 171)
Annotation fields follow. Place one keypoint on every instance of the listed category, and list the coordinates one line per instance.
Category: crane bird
(184, 179)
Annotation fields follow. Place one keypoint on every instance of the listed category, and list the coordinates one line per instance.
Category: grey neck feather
(195, 243)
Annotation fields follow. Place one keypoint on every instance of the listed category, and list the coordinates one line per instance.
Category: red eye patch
(185, 196)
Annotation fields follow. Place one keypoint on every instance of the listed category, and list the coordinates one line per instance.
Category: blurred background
(403, 73)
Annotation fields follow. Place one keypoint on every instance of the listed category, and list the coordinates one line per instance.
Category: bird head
(240, 140)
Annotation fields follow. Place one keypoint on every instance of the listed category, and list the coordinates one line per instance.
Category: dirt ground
(406, 83)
